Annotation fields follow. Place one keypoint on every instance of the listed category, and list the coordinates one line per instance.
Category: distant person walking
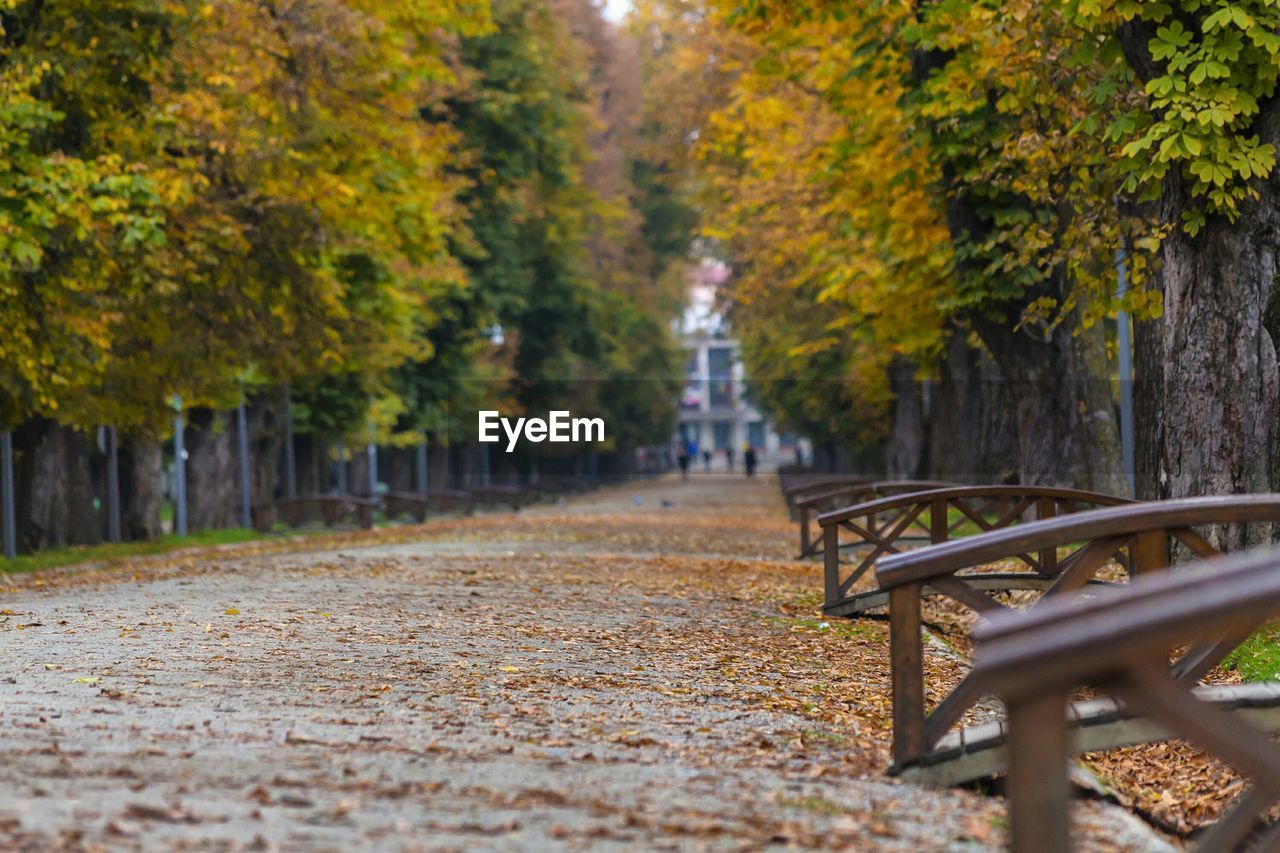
(686, 453)
(728, 457)
(749, 460)
(706, 460)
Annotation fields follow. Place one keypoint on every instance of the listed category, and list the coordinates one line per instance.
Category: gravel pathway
(639, 669)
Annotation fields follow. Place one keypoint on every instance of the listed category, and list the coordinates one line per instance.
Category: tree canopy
(350, 197)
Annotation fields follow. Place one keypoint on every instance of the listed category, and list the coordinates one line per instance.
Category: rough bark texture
(971, 437)
(1219, 361)
(54, 487)
(212, 472)
(1217, 395)
(141, 488)
(1062, 411)
(1061, 406)
(1148, 420)
(904, 451)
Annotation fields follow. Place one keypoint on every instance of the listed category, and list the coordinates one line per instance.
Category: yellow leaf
(231, 611)
(509, 668)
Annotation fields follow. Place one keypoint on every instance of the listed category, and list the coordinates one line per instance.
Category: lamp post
(424, 488)
(1125, 347)
(6, 495)
(113, 485)
(179, 470)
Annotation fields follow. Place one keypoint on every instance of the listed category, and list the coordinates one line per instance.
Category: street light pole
(6, 495)
(424, 488)
(342, 467)
(371, 451)
(1125, 347)
(113, 486)
(180, 470)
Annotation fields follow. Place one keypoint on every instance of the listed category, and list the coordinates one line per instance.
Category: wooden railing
(797, 486)
(514, 497)
(810, 504)
(1138, 536)
(418, 506)
(1120, 645)
(328, 509)
(936, 515)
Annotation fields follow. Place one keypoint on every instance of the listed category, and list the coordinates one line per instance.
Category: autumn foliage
(891, 178)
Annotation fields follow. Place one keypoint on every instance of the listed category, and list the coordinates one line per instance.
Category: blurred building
(715, 412)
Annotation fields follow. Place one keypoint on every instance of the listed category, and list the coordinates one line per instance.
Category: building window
(755, 434)
(722, 434)
(720, 368)
(691, 397)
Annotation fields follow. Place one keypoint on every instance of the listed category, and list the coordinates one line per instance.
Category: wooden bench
(1120, 645)
(809, 504)
(937, 515)
(329, 509)
(1138, 536)
(417, 506)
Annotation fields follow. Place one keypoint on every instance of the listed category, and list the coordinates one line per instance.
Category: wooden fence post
(831, 564)
(906, 657)
(1039, 820)
(113, 485)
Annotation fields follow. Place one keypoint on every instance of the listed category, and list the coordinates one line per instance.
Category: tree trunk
(358, 470)
(1061, 406)
(971, 437)
(141, 488)
(54, 487)
(212, 473)
(401, 465)
(1219, 361)
(905, 447)
(307, 450)
(266, 444)
(1148, 417)
(1216, 398)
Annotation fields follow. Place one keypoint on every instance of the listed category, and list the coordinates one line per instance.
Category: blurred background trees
(952, 190)
(394, 213)
(388, 212)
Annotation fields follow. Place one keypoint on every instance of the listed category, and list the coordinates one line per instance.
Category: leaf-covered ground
(641, 668)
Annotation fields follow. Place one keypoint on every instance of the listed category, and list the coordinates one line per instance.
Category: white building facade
(715, 413)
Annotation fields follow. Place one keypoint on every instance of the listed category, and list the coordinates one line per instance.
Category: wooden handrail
(330, 507)
(856, 493)
(884, 488)
(947, 558)
(885, 523)
(1144, 529)
(1117, 644)
(851, 512)
(793, 491)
